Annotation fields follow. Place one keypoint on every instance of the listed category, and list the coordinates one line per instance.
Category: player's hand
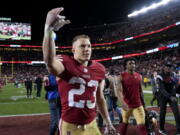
(110, 130)
(173, 99)
(125, 106)
(55, 21)
(59, 57)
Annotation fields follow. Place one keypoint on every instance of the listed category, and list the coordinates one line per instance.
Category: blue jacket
(52, 88)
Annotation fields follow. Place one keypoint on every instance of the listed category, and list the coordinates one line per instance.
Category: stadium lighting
(178, 23)
(143, 10)
(153, 6)
(164, 2)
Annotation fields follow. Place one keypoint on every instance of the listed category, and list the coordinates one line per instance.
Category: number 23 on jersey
(80, 91)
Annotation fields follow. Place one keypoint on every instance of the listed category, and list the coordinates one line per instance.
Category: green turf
(147, 88)
(10, 106)
(16, 38)
(23, 105)
(28, 106)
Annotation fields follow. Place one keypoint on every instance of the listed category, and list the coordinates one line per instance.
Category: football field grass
(15, 38)
(13, 101)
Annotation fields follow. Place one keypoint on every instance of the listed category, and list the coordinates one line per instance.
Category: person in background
(28, 85)
(38, 83)
(53, 97)
(154, 88)
(167, 94)
(129, 93)
(112, 99)
(1, 85)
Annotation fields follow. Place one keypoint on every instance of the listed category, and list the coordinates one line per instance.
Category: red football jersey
(78, 87)
(131, 84)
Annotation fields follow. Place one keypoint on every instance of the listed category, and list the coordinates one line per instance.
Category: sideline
(24, 102)
(24, 115)
(147, 91)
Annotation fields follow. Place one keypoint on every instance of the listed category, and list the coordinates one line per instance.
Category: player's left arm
(101, 103)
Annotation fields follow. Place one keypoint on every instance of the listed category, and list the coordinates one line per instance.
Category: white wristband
(48, 32)
(53, 35)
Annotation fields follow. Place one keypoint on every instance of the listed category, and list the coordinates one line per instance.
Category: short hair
(126, 60)
(80, 36)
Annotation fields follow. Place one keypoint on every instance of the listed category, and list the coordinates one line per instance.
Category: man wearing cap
(167, 94)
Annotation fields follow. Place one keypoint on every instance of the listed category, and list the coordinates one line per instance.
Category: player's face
(131, 65)
(82, 49)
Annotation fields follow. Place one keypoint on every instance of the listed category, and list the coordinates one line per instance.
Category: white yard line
(147, 91)
(23, 115)
(24, 102)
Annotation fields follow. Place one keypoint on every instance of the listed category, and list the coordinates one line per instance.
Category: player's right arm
(53, 23)
(119, 90)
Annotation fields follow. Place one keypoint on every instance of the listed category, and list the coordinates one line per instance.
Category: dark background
(80, 12)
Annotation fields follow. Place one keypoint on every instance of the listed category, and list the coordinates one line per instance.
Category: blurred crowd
(143, 23)
(14, 30)
(146, 64)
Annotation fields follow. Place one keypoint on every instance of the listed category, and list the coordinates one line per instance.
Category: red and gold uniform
(131, 84)
(78, 87)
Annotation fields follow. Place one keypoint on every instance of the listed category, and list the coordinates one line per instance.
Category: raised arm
(53, 23)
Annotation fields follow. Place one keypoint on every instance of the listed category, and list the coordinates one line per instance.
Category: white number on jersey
(80, 91)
